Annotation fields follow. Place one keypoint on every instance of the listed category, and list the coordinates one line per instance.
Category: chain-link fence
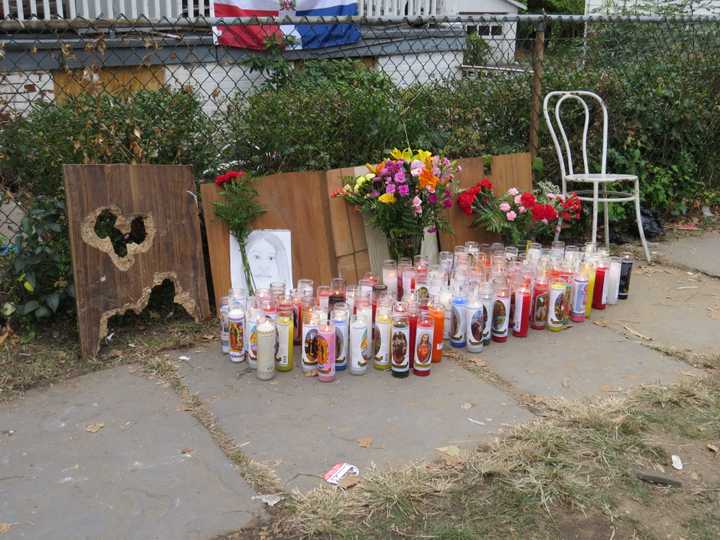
(162, 91)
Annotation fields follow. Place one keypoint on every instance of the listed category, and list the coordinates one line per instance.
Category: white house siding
(502, 46)
(409, 69)
(18, 90)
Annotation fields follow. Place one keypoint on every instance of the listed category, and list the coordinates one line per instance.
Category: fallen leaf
(713, 448)
(365, 442)
(186, 451)
(601, 322)
(694, 476)
(677, 462)
(349, 481)
(310, 373)
(184, 358)
(94, 428)
(466, 406)
(478, 422)
(5, 527)
(659, 467)
(209, 337)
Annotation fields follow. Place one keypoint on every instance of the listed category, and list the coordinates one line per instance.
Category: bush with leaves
(149, 126)
(38, 278)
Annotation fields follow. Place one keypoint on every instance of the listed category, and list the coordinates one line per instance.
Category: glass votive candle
(389, 277)
(265, 361)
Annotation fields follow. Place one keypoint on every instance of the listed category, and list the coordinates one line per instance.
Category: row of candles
(473, 296)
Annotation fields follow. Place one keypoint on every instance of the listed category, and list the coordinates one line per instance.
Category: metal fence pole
(536, 98)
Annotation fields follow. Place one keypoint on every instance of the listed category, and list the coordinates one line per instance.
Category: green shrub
(150, 126)
(39, 274)
(323, 115)
(476, 50)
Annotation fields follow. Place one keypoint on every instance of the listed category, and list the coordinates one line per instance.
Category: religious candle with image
(224, 328)
(253, 312)
(309, 345)
(341, 319)
(556, 305)
(284, 323)
(326, 352)
(236, 330)
(423, 346)
(381, 335)
(359, 345)
(400, 345)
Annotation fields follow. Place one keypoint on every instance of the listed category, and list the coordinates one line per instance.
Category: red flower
(572, 207)
(228, 176)
(528, 200)
(485, 184)
(544, 211)
(466, 199)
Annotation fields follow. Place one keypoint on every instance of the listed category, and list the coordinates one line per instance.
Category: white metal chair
(603, 178)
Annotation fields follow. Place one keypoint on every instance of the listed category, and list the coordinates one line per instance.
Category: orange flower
(428, 180)
(375, 169)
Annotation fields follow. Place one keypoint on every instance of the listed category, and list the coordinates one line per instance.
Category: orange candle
(437, 313)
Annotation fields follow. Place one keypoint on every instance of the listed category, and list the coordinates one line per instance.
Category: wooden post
(538, 56)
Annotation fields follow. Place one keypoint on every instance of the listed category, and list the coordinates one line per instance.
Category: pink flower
(545, 221)
(505, 207)
(416, 167)
(518, 199)
(522, 209)
(511, 216)
(513, 191)
(551, 196)
(417, 203)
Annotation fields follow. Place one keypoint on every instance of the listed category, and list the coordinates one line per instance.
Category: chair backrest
(564, 153)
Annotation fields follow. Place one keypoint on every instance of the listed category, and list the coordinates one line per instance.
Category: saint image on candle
(424, 349)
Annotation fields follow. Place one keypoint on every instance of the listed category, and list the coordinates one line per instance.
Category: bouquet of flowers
(520, 216)
(403, 195)
(239, 208)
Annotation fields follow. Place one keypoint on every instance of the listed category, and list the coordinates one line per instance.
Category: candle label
(448, 323)
(236, 335)
(518, 313)
(579, 296)
(283, 341)
(224, 330)
(400, 354)
(501, 317)
(625, 271)
(567, 303)
(359, 347)
(475, 316)
(457, 331)
(422, 292)
(488, 316)
(381, 339)
(266, 346)
(423, 348)
(540, 309)
(557, 306)
(251, 343)
(326, 355)
(341, 342)
(605, 287)
(297, 318)
(309, 347)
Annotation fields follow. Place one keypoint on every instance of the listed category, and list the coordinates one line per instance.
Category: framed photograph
(269, 252)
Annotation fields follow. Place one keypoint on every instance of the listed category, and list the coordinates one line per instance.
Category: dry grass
(577, 464)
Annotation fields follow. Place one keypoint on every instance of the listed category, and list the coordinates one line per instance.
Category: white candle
(266, 337)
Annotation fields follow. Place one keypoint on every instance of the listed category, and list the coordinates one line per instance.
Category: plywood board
(299, 202)
(114, 80)
(108, 283)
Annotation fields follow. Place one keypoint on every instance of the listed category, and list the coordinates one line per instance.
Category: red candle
(521, 319)
(413, 319)
(539, 305)
(598, 296)
(424, 347)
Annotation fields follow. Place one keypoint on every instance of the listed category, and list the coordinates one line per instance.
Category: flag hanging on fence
(302, 36)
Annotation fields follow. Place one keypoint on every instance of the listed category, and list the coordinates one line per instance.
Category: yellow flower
(387, 198)
(360, 181)
(422, 155)
(406, 154)
(375, 169)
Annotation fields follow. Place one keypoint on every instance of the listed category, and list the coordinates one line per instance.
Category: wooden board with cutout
(157, 233)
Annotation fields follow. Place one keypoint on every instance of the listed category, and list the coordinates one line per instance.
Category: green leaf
(53, 301)
(42, 312)
(28, 307)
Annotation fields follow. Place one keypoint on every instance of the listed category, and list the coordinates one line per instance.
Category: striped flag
(302, 36)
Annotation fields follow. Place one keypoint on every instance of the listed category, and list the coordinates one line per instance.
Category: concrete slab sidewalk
(150, 470)
(580, 362)
(701, 252)
(674, 307)
(302, 427)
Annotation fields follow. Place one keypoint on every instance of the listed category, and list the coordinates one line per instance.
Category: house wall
(502, 46)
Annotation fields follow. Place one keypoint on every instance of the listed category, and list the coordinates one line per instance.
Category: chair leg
(639, 221)
(607, 219)
(595, 211)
